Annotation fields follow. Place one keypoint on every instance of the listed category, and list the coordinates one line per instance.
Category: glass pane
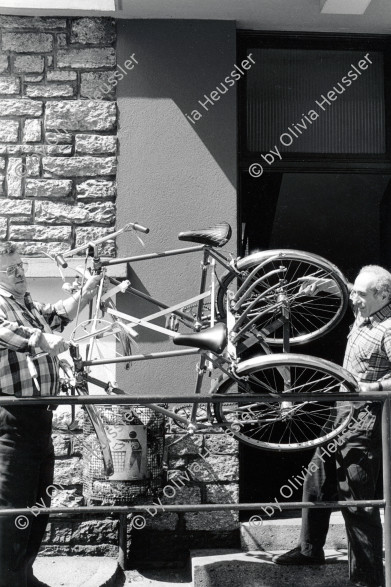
(289, 105)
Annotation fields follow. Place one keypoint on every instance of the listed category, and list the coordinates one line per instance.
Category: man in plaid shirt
(26, 448)
(353, 472)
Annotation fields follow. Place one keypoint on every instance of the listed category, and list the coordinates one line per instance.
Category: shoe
(295, 557)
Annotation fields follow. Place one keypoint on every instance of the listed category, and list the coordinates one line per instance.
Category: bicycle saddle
(216, 236)
(211, 339)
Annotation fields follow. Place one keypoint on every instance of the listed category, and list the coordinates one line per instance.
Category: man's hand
(91, 286)
(383, 385)
(310, 286)
(53, 344)
(88, 291)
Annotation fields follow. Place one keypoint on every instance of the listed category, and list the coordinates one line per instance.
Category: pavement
(160, 578)
(93, 571)
(256, 569)
(250, 567)
(77, 571)
(210, 568)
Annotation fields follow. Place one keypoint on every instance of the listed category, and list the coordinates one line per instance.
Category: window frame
(316, 162)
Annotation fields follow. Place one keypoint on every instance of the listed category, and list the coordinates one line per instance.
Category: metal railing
(122, 511)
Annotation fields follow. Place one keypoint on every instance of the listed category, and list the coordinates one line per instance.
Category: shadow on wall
(184, 61)
(140, 308)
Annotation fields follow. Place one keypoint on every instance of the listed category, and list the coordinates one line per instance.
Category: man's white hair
(382, 279)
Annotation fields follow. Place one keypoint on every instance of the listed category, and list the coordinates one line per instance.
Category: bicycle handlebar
(60, 258)
(139, 227)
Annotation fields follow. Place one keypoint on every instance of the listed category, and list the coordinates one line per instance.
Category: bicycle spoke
(309, 315)
(286, 425)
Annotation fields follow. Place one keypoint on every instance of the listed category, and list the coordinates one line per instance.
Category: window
(314, 101)
(324, 160)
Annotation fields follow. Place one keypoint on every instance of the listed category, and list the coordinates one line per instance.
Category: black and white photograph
(195, 293)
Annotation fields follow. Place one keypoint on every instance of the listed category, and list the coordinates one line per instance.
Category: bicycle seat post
(204, 268)
(231, 347)
(96, 260)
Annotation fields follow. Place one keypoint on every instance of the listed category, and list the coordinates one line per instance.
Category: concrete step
(230, 568)
(78, 571)
(158, 578)
(283, 534)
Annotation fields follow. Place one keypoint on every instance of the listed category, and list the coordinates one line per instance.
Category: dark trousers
(353, 472)
(26, 474)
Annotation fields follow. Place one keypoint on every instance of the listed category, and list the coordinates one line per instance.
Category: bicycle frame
(210, 258)
(208, 252)
(242, 332)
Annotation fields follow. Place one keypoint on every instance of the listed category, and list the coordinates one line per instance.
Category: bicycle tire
(310, 316)
(287, 426)
(185, 411)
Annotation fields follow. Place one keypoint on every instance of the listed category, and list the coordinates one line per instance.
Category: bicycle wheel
(185, 412)
(274, 279)
(289, 425)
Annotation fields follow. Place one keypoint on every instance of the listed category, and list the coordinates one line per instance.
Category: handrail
(386, 446)
(200, 398)
(383, 396)
(205, 507)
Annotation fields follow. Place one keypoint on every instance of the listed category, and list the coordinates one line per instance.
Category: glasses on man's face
(12, 269)
(357, 294)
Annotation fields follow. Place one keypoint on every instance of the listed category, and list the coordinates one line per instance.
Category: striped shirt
(17, 324)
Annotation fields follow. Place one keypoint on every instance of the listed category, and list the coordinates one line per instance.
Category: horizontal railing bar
(207, 507)
(185, 399)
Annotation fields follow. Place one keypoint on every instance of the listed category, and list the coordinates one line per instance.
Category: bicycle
(266, 308)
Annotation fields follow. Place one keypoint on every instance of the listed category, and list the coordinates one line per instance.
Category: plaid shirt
(368, 351)
(368, 358)
(17, 324)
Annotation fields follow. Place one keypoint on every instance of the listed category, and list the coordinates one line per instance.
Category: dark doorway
(343, 217)
(326, 189)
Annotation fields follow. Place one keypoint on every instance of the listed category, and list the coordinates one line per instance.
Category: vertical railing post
(122, 542)
(386, 440)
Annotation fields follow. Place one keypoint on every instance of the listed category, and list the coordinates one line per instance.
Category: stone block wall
(201, 469)
(58, 144)
(58, 124)
(74, 534)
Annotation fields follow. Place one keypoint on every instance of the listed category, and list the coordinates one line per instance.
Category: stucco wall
(173, 174)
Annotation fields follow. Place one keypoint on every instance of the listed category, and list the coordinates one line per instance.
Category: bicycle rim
(309, 316)
(290, 425)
